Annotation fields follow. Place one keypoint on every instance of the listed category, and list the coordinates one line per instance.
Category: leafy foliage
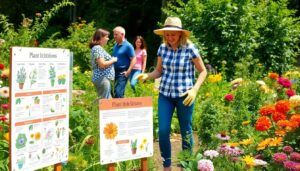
(232, 30)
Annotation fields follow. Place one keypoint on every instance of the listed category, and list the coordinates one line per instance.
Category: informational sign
(39, 118)
(126, 129)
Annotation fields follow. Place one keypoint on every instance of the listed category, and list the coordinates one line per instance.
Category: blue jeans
(132, 79)
(166, 107)
(103, 88)
(120, 83)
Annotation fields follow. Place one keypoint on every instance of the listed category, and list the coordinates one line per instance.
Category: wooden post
(144, 165)
(111, 167)
(58, 167)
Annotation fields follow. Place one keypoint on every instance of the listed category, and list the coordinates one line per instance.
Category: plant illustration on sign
(52, 75)
(110, 130)
(21, 162)
(33, 77)
(62, 79)
(21, 141)
(133, 144)
(36, 100)
(21, 77)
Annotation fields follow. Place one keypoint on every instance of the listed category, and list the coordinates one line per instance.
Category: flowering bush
(4, 119)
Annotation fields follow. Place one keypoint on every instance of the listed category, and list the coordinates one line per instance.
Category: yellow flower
(142, 146)
(246, 141)
(5, 73)
(110, 130)
(6, 136)
(215, 78)
(263, 144)
(207, 94)
(233, 144)
(145, 141)
(245, 122)
(295, 100)
(276, 141)
(249, 160)
(37, 136)
(234, 131)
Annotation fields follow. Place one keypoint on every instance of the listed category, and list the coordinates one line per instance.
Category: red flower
(2, 118)
(283, 106)
(267, 110)
(229, 97)
(278, 116)
(263, 123)
(290, 92)
(284, 82)
(2, 66)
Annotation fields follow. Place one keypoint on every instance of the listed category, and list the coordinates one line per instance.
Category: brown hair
(99, 33)
(143, 46)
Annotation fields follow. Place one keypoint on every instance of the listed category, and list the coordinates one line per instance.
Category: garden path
(176, 148)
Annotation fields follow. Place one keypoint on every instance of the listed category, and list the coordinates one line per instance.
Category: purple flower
(205, 165)
(230, 150)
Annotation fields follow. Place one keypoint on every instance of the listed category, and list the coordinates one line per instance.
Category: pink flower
(4, 106)
(288, 149)
(290, 92)
(2, 66)
(284, 82)
(289, 165)
(205, 165)
(295, 156)
(223, 136)
(229, 97)
(280, 157)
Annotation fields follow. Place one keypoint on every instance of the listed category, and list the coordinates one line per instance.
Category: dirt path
(176, 148)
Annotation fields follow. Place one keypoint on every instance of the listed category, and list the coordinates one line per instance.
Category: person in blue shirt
(124, 51)
(176, 62)
(102, 64)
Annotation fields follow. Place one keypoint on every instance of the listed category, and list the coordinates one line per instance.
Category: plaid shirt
(178, 72)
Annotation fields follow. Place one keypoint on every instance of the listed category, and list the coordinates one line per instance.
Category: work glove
(190, 97)
(142, 77)
(115, 59)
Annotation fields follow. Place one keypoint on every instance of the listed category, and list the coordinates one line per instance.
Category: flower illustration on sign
(110, 130)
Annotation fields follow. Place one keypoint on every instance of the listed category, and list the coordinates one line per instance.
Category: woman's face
(104, 40)
(138, 43)
(172, 37)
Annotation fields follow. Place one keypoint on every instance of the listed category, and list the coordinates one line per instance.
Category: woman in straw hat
(176, 63)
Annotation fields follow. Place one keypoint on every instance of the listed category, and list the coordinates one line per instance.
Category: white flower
(295, 100)
(258, 162)
(260, 82)
(211, 153)
(4, 92)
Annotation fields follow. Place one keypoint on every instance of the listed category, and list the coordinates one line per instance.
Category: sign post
(39, 113)
(126, 130)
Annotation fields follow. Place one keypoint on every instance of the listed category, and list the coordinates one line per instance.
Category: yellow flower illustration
(110, 130)
(37, 136)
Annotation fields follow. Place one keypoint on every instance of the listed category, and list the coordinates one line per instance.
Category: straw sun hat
(172, 24)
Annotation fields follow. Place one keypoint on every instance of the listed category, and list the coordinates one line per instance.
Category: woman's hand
(190, 96)
(142, 77)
